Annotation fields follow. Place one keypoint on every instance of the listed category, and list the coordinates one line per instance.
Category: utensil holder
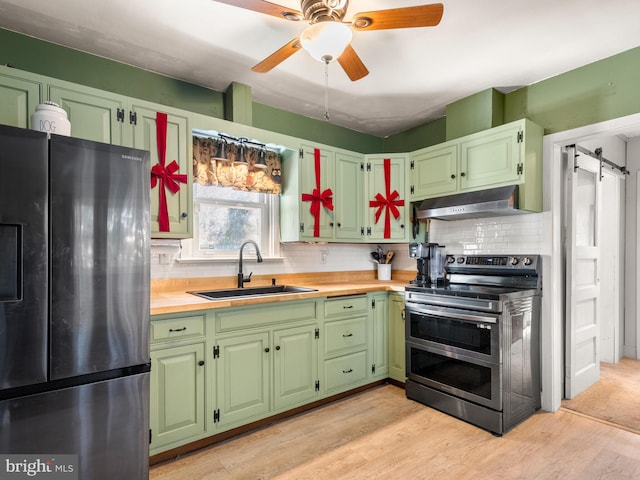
(384, 271)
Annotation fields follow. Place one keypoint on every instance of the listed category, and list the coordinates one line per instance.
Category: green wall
(600, 91)
(424, 135)
(299, 126)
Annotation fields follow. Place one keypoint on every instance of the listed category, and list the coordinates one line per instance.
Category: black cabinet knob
(201, 362)
(462, 174)
(453, 176)
(277, 347)
(266, 350)
(183, 215)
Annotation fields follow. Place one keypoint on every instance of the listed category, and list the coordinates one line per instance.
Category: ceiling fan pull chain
(326, 90)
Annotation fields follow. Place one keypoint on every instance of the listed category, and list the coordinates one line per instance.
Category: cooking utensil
(375, 257)
(389, 256)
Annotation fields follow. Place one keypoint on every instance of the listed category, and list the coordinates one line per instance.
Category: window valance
(237, 163)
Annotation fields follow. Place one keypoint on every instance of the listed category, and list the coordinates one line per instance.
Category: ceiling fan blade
(277, 57)
(267, 8)
(352, 64)
(406, 17)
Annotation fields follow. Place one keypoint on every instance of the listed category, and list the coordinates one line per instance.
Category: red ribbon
(389, 203)
(317, 197)
(165, 176)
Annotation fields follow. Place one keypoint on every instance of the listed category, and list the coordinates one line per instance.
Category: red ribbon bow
(165, 176)
(388, 202)
(318, 197)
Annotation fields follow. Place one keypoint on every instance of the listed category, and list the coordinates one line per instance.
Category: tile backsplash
(523, 234)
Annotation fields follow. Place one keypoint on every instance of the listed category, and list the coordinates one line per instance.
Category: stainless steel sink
(251, 292)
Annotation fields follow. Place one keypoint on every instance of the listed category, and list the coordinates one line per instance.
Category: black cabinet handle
(453, 176)
(347, 335)
(347, 306)
(402, 226)
(277, 347)
(183, 215)
(339, 225)
(177, 329)
(463, 174)
(331, 224)
(201, 362)
(347, 371)
(266, 350)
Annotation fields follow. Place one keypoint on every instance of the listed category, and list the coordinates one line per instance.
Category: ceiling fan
(328, 36)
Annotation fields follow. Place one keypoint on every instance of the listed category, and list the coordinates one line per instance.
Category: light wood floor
(615, 398)
(379, 434)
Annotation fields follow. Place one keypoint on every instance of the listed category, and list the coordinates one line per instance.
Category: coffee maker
(429, 258)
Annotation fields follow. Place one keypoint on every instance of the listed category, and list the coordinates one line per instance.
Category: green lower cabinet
(295, 366)
(397, 359)
(379, 340)
(243, 382)
(345, 372)
(177, 407)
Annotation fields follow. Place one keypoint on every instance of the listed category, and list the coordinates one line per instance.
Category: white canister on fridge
(50, 118)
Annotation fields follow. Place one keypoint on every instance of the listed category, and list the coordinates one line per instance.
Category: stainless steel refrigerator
(74, 302)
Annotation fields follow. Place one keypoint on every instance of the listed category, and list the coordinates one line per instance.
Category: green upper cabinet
(385, 196)
(94, 114)
(309, 179)
(510, 154)
(492, 158)
(337, 207)
(19, 95)
(348, 205)
(178, 145)
(434, 171)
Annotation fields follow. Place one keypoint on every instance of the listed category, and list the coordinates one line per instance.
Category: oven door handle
(456, 315)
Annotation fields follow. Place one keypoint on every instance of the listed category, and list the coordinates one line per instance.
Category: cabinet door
(307, 180)
(243, 381)
(177, 409)
(93, 113)
(19, 98)
(295, 354)
(434, 172)
(349, 209)
(179, 205)
(376, 184)
(491, 159)
(396, 338)
(379, 347)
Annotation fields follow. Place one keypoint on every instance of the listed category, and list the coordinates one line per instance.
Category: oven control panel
(490, 262)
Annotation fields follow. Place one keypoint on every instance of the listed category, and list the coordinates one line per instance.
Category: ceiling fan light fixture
(326, 41)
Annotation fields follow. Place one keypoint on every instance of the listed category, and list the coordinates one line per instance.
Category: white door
(582, 363)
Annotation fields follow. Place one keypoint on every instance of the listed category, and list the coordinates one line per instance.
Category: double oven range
(472, 343)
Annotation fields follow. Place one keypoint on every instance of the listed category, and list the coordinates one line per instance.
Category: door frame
(552, 324)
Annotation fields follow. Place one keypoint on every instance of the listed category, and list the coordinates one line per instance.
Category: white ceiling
(415, 72)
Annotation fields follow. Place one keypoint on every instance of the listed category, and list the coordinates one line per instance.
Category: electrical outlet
(324, 253)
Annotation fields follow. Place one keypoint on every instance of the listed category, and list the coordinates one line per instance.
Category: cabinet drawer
(344, 372)
(177, 328)
(344, 336)
(345, 306)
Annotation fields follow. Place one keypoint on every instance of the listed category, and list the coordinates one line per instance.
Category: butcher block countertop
(170, 296)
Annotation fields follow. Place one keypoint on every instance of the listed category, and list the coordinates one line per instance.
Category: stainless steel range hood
(493, 202)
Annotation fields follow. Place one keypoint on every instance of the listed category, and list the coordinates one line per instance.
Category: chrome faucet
(241, 278)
